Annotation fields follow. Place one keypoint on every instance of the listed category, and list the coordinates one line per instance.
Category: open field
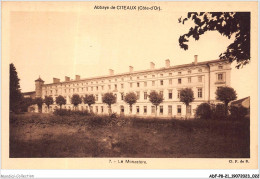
(46, 135)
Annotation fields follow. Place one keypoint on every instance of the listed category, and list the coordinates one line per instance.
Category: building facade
(202, 77)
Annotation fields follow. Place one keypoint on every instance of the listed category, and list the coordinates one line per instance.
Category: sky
(49, 40)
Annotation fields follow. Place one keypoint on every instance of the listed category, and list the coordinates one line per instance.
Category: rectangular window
(137, 110)
(102, 109)
(179, 94)
(153, 83)
(179, 73)
(122, 96)
(161, 93)
(96, 97)
(138, 84)
(170, 74)
(102, 87)
(220, 77)
(96, 109)
(115, 86)
(179, 80)
(170, 81)
(161, 109)
(145, 84)
(122, 86)
(145, 109)
(170, 94)
(138, 95)
(153, 109)
(161, 82)
(199, 78)
(170, 109)
(220, 67)
(189, 79)
(188, 110)
(179, 109)
(145, 95)
(199, 92)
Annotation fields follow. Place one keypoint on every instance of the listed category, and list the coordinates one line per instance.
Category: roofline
(143, 71)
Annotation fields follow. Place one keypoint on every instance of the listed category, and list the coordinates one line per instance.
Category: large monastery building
(202, 77)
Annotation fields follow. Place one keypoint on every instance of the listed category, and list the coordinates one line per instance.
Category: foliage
(186, 96)
(68, 112)
(131, 99)
(48, 100)
(109, 99)
(218, 112)
(156, 99)
(203, 111)
(227, 24)
(25, 103)
(76, 100)
(60, 100)
(238, 113)
(89, 99)
(226, 94)
(39, 102)
(15, 91)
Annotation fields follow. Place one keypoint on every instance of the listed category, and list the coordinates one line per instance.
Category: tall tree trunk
(109, 110)
(130, 109)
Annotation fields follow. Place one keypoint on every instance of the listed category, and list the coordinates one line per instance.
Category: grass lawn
(46, 135)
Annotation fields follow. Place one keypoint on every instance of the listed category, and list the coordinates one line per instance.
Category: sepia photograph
(125, 84)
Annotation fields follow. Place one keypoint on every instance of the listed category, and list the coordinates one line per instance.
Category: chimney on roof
(195, 59)
(167, 63)
(131, 69)
(111, 72)
(56, 80)
(77, 77)
(67, 78)
(152, 65)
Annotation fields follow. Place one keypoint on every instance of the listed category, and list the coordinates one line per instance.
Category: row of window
(145, 95)
(122, 85)
(138, 109)
(131, 78)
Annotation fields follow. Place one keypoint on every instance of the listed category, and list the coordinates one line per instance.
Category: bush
(218, 112)
(238, 113)
(203, 111)
(68, 112)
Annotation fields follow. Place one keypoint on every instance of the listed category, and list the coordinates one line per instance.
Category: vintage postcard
(129, 85)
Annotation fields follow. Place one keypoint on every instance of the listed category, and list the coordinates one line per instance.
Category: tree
(25, 103)
(109, 99)
(60, 100)
(131, 99)
(156, 99)
(226, 94)
(48, 100)
(203, 111)
(76, 100)
(89, 99)
(227, 24)
(186, 96)
(39, 102)
(15, 91)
